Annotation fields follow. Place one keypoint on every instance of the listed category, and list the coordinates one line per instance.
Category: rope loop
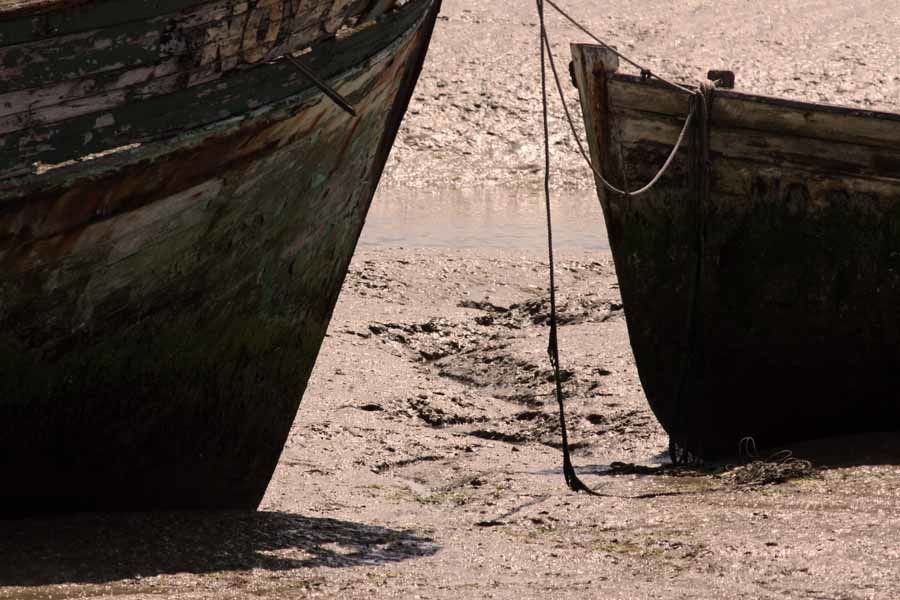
(562, 96)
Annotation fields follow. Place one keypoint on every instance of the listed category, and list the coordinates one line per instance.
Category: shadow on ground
(837, 452)
(105, 548)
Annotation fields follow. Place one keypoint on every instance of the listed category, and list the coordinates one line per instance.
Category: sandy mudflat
(424, 464)
(424, 461)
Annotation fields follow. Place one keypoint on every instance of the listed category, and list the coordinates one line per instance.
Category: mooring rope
(646, 72)
(572, 480)
(682, 451)
(699, 101)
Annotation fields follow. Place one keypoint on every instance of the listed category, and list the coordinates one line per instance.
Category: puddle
(492, 218)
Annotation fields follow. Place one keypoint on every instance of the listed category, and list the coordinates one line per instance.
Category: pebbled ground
(475, 118)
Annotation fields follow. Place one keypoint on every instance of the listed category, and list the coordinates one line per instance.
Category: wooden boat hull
(161, 307)
(770, 309)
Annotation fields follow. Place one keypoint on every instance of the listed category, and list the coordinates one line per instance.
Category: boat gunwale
(769, 115)
(14, 32)
(855, 157)
(790, 103)
(20, 187)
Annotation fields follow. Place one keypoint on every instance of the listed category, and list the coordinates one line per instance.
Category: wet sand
(424, 462)
(489, 218)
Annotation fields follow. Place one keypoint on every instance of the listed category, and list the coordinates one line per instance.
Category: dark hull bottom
(156, 359)
(779, 404)
(792, 335)
(206, 432)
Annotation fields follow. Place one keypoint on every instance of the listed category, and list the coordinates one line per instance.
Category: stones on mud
(595, 419)
(499, 436)
(490, 523)
(528, 415)
(371, 279)
(433, 415)
(564, 375)
(494, 381)
(523, 427)
(633, 423)
(571, 311)
(528, 398)
(439, 339)
(386, 466)
(483, 305)
(621, 468)
(362, 334)
(495, 369)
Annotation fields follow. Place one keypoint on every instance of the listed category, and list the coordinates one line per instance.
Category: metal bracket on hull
(324, 87)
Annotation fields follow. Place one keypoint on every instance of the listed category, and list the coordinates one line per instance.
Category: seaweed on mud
(780, 468)
(434, 416)
(571, 311)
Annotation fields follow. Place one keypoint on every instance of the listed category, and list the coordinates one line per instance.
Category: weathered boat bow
(178, 209)
(767, 308)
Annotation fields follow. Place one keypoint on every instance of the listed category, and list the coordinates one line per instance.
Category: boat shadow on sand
(836, 452)
(103, 548)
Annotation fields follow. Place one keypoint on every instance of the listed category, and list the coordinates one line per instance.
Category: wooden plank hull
(771, 309)
(162, 306)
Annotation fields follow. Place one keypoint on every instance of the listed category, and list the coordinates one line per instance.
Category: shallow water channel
(490, 218)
